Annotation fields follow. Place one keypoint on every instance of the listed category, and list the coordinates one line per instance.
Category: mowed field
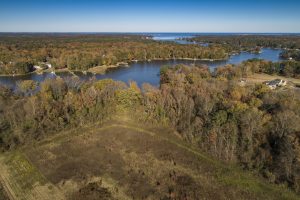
(260, 78)
(123, 160)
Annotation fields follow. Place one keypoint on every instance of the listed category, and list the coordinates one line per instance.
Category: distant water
(145, 72)
(170, 36)
(193, 34)
(178, 37)
(174, 37)
(148, 72)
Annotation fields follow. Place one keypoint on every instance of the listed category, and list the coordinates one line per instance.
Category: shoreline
(192, 59)
(103, 68)
(13, 75)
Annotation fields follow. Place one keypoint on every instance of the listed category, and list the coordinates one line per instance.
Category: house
(276, 83)
(49, 65)
(37, 67)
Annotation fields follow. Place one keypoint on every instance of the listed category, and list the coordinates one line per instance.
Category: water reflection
(144, 71)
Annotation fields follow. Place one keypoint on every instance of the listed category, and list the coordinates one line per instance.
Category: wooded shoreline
(102, 69)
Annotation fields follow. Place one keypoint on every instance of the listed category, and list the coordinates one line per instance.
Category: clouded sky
(149, 16)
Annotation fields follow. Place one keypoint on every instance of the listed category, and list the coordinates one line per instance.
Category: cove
(144, 72)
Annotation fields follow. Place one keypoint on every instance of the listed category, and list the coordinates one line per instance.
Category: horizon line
(145, 32)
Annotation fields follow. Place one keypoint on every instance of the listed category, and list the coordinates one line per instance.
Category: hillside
(121, 159)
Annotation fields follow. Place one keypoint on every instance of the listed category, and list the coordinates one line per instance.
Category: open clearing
(259, 78)
(122, 160)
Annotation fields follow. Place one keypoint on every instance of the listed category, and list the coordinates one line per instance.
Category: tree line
(237, 43)
(250, 125)
(249, 67)
(19, 53)
(291, 54)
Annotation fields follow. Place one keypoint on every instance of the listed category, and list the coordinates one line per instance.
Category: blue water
(172, 37)
(148, 72)
(175, 37)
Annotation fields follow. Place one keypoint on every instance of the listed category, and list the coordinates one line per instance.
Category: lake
(145, 71)
(148, 72)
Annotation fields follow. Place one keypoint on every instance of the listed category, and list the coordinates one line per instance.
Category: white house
(49, 65)
(276, 83)
(37, 67)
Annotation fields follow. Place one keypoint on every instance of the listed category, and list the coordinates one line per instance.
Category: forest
(252, 126)
(246, 68)
(249, 125)
(291, 54)
(253, 43)
(19, 53)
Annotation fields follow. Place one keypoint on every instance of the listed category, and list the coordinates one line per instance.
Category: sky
(243, 16)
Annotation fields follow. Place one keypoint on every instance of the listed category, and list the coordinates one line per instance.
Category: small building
(49, 65)
(276, 83)
(36, 67)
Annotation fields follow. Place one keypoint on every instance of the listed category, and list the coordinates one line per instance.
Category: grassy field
(259, 78)
(123, 160)
(3, 195)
